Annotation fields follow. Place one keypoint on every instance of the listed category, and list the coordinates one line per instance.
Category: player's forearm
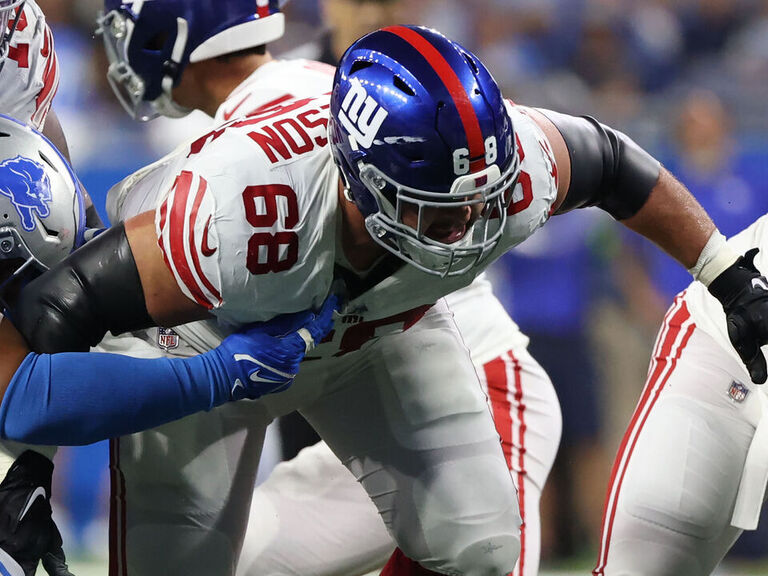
(80, 398)
(674, 220)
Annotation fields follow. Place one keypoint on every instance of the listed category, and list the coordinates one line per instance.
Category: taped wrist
(608, 169)
(716, 256)
(94, 290)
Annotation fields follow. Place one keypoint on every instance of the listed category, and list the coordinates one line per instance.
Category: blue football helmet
(417, 122)
(150, 42)
(42, 213)
(8, 20)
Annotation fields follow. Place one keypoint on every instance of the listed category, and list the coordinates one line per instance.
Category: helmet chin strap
(165, 104)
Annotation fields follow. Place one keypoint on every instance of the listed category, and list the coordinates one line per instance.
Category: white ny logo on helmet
(361, 116)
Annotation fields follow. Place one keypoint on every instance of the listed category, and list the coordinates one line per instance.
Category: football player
(29, 79)
(45, 397)
(29, 76)
(28, 67)
(690, 473)
(315, 504)
(521, 396)
(435, 170)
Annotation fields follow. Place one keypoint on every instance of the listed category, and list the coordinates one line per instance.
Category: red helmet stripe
(453, 84)
(262, 8)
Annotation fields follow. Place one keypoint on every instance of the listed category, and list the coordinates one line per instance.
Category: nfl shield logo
(167, 339)
(737, 391)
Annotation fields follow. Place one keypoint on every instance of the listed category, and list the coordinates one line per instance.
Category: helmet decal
(361, 115)
(42, 213)
(28, 187)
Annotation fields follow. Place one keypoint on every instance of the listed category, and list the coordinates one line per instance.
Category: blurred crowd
(685, 78)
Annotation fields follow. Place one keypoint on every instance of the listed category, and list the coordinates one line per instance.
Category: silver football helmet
(42, 213)
(8, 11)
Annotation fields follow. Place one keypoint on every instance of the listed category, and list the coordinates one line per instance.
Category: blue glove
(265, 357)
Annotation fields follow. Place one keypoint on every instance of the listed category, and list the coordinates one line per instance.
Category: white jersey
(706, 310)
(274, 83)
(260, 240)
(248, 221)
(485, 325)
(29, 76)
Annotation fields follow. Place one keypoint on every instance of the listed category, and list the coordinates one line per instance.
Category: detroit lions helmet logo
(28, 187)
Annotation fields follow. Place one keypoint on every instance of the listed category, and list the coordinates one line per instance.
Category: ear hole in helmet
(402, 86)
(359, 65)
(49, 231)
(471, 62)
(47, 161)
(156, 42)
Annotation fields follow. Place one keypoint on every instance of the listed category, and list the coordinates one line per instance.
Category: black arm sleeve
(608, 169)
(72, 306)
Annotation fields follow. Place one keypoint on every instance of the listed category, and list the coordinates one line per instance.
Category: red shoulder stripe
(177, 218)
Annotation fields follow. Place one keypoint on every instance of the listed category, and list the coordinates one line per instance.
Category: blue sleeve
(78, 398)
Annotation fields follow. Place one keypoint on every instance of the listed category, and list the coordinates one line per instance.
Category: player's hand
(743, 292)
(265, 357)
(27, 531)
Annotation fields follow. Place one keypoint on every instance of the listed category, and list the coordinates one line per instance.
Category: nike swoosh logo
(249, 358)
(238, 384)
(228, 115)
(205, 247)
(38, 492)
(255, 378)
(759, 283)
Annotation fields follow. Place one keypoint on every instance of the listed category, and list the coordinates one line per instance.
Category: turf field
(99, 568)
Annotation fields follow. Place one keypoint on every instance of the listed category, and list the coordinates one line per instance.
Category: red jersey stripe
(176, 220)
(662, 367)
(50, 80)
(507, 399)
(522, 471)
(117, 513)
(193, 245)
(496, 377)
